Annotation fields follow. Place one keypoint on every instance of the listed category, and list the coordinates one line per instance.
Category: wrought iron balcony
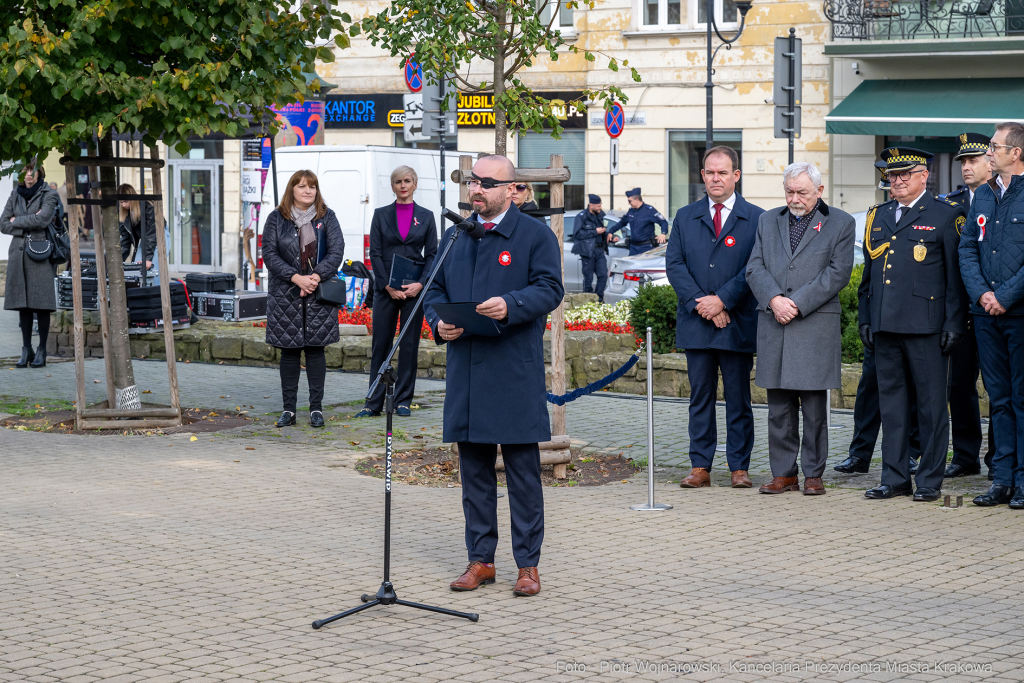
(924, 19)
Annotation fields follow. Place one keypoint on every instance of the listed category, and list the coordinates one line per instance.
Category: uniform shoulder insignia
(950, 201)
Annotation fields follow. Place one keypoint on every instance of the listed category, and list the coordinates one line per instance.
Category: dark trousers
(867, 417)
(316, 373)
(480, 500)
(25, 316)
(595, 264)
(964, 411)
(702, 367)
(1001, 349)
(902, 360)
(386, 315)
(784, 443)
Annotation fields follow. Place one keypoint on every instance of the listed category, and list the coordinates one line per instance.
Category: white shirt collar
(496, 220)
(916, 200)
(728, 203)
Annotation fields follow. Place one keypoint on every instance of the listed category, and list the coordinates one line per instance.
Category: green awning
(939, 107)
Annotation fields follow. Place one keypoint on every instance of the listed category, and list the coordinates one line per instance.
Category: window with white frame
(677, 15)
(545, 7)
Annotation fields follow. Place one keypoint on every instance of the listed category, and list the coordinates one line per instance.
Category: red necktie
(718, 219)
(488, 226)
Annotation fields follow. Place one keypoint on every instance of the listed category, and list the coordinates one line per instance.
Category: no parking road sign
(615, 120)
(413, 75)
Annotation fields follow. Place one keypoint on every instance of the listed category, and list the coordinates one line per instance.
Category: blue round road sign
(413, 75)
(615, 120)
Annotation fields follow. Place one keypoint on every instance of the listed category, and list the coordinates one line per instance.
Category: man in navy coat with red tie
(495, 385)
(716, 320)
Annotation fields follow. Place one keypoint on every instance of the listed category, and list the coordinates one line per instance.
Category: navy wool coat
(698, 265)
(496, 391)
(420, 246)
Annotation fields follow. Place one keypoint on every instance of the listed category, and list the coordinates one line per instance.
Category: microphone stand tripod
(386, 594)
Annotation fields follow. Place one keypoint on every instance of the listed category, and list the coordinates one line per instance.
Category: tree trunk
(500, 122)
(127, 394)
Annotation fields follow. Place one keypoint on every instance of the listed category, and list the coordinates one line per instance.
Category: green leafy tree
(447, 36)
(170, 69)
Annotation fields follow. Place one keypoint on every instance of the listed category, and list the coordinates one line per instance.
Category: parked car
(573, 280)
(626, 274)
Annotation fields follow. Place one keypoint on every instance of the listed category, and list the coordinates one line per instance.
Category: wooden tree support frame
(556, 176)
(110, 417)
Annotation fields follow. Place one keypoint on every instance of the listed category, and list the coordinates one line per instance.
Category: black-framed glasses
(904, 175)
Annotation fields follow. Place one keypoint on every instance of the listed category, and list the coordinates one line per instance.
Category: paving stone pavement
(200, 560)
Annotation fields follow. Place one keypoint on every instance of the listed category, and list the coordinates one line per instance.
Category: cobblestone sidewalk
(163, 559)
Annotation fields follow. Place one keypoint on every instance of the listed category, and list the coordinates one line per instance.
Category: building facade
(663, 141)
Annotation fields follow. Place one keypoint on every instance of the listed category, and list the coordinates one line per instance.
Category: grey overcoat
(805, 353)
(29, 283)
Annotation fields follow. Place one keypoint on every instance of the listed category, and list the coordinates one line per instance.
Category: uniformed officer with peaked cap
(642, 219)
(912, 313)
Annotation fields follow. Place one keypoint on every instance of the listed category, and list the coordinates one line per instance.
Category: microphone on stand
(475, 229)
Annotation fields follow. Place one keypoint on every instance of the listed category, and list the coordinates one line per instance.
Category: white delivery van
(356, 179)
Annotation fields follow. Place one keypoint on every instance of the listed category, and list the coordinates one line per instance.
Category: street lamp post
(743, 6)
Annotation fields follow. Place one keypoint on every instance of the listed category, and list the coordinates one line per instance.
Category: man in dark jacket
(496, 392)
(590, 243)
(912, 313)
(716, 319)
(992, 264)
(642, 220)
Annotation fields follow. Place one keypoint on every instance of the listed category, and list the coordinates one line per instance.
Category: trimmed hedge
(655, 307)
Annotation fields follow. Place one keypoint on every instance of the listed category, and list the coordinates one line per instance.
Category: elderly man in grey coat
(802, 258)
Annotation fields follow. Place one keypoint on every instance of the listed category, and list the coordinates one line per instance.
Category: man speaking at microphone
(496, 392)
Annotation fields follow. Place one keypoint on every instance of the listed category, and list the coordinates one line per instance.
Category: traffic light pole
(792, 90)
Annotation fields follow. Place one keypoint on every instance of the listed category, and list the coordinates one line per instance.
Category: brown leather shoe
(477, 574)
(528, 582)
(814, 487)
(699, 477)
(740, 480)
(781, 484)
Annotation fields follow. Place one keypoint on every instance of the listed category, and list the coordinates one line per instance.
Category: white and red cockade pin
(982, 222)
(730, 241)
(818, 226)
(505, 258)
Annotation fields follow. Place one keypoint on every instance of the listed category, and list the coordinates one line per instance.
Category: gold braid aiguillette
(876, 251)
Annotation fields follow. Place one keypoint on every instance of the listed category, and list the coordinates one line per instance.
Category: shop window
(535, 152)
(685, 151)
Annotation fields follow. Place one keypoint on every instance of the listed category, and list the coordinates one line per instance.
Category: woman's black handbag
(39, 250)
(55, 247)
(331, 292)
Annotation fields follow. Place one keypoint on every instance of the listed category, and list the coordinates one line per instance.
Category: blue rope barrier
(598, 385)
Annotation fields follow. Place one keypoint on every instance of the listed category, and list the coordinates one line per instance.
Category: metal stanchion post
(650, 505)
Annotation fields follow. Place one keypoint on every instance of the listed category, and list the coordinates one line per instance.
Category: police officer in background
(912, 313)
(964, 409)
(641, 219)
(590, 243)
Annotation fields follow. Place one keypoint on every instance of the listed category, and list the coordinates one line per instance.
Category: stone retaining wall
(589, 356)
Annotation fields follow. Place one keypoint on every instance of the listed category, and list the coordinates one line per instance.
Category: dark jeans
(480, 500)
(1001, 350)
(595, 264)
(316, 373)
(702, 367)
(25, 316)
(385, 317)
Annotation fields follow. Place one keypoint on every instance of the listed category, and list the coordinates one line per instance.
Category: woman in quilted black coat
(302, 246)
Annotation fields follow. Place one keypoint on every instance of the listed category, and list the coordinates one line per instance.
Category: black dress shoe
(1017, 502)
(913, 466)
(853, 465)
(26, 357)
(287, 419)
(924, 495)
(886, 491)
(996, 495)
(40, 360)
(958, 470)
(316, 419)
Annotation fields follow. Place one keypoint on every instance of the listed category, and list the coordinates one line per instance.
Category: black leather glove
(866, 337)
(948, 341)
